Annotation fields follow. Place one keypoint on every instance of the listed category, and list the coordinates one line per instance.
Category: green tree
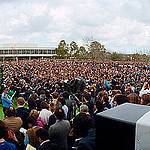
(146, 58)
(62, 49)
(116, 56)
(136, 57)
(73, 48)
(80, 52)
(97, 50)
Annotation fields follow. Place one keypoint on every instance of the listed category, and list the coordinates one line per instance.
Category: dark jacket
(23, 113)
(87, 142)
(48, 146)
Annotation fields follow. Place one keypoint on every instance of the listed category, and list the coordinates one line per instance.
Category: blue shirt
(6, 100)
(7, 146)
(107, 84)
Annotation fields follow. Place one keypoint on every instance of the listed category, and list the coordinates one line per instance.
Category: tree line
(96, 51)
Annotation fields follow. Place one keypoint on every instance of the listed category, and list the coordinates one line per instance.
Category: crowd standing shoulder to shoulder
(57, 100)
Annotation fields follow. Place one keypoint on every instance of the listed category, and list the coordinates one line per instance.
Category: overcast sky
(122, 25)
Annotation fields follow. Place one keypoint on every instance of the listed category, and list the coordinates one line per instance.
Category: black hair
(59, 113)
(62, 101)
(3, 130)
(11, 111)
(99, 106)
(32, 120)
(120, 99)
(44, 105)
(43, 134)
(66, 95)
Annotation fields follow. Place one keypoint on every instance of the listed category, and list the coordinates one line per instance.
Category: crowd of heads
(53, 94)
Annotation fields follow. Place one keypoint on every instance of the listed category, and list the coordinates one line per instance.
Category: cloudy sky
(122, 25)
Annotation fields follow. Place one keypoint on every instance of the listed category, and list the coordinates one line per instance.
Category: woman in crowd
(12, 122)
(4, 145)
(45, 113)
(31, 137)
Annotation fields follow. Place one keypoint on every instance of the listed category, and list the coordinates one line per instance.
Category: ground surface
(1, 113)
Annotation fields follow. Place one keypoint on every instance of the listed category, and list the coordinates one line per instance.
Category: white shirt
(44, 115)
(142, 92)
(65, 108)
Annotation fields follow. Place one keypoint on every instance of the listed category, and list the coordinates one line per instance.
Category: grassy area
(14, 105)
(14, 99)
(1, 109)
(1, 113)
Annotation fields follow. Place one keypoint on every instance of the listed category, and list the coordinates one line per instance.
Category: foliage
(73, 48)
(97, 50)
(62, 49)
(96, 46)
(116, 56)
(136, 57)
(80, 52)
(140, 57)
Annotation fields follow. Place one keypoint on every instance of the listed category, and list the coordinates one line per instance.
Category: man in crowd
(45, 143)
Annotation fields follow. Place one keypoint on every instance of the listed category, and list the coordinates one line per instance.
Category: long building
(7, 52)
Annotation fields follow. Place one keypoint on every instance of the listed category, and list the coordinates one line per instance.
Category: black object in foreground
(116, 127)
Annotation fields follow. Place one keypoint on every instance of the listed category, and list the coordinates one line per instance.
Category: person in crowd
(39, 122)
(77, 121)
(69, 104)
(42, 95)
(120, 99)
(58, 132)
(12, 122)
(83, 129)
(34, 113)
(32, 101)
(15, 138)
(4, 145)
(89, 101)
(22, 112)
(145, 89)
(106, 103)
(84, 109)
(133, 98)
(31, 137)
(6, 100)
(145, 99)
(45, 113)
(52, 120)
(52, 107)
(55, 96)
(129, 88)
(64, 107)
(107, 83)
(45, 143)
(99, 107)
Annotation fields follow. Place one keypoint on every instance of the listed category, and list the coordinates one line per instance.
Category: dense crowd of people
(52, 104)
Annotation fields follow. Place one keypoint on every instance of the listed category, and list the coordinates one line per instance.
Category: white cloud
(119, 24)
